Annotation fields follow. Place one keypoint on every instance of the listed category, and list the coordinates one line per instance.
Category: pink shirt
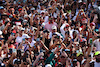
(49, 26)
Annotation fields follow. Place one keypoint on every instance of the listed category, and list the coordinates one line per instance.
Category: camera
(38, 39)
(10, 51)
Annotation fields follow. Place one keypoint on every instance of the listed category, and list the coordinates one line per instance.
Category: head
(54, 29)
(63, 58)
(92, 25)
(97, 56)
(67, 33)
(66, 28)
(80, 56)
(5, 60)
(50, 19)
(46, 33)
(74, 34)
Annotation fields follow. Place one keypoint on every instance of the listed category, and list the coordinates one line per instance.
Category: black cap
(46, 31)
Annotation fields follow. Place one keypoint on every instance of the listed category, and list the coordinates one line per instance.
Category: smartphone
(12, 34)
(10, 51)
(58, 37)
(90, 41)
(38, 39)
(23, 41)
(14, 50)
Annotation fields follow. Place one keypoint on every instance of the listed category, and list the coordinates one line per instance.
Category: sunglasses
(62, 57)
(25, 64)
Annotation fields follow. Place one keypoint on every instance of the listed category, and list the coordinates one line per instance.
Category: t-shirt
(47, 41)
(32, 43)
(19, 39)
(96, 64)
(49, 26)
(97, 44)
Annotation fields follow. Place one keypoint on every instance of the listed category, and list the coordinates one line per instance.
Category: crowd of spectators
(49, 33)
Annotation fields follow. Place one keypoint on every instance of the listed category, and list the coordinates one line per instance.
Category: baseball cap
(1, 21)
(1, 7)
(13, 31)
(54, 27)
(25, 36)
(18, 24)
(25, 21)
(97, 53)
(79, 53)
(21, 29)
(83, 40)
(12, 46)
(33, 8)
(46, 31)
(84, 20)
(42, 11)
(79, 1)
(93, 24)
(25, 16)
(0, 32)
(67, 25)
(48, 65)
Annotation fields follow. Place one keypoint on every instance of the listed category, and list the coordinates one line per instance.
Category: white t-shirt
(96, 64)
(97, 44)
(46, 19)
(32, 43)
(19, 39)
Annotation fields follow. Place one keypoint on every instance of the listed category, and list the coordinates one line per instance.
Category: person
(50, 24)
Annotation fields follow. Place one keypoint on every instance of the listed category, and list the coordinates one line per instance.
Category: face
(66, 28)
(32, 54)
(50, 20)
(54, 30)
(63, 59)
(98, 58)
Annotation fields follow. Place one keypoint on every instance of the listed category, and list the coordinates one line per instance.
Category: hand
(44, 35)
(60, 40)
(8, 24)
(41, 54)
(53, 37)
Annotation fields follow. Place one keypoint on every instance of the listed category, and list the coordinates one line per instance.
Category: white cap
(25, 36)
(64, 14)
(1, 21)
(25, 21)
(18, 24)
(20, 28)
(54, 27)
(42, 11)
(48, 65)
(33, 8)
(83, 61)
(25, 16)
(0, 32)
(14, 60)
(79, 1)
